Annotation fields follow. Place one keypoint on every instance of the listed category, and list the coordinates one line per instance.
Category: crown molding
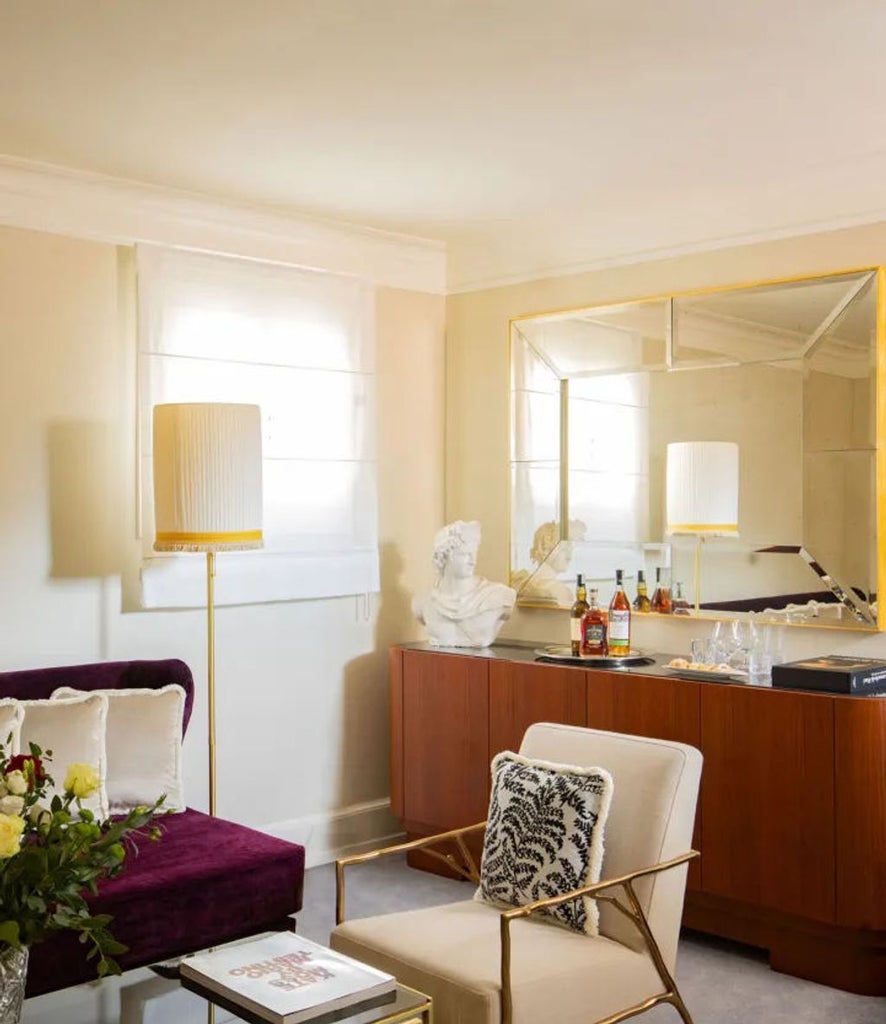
(61, 200)
(478, 283)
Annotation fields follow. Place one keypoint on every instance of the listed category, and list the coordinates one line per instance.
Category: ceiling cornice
(61, 200)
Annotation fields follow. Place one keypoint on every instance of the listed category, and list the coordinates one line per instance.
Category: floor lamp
(702, 494)
(208, 497)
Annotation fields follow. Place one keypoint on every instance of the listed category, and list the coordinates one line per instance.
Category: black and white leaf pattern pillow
(544, 836)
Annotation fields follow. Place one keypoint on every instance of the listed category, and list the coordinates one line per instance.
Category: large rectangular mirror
(612, 412)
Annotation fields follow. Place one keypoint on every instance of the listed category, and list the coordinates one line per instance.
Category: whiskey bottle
(661, 598)
(680, 605)
(579, 607)
(641, 601)
(594, 638)
(619, 618)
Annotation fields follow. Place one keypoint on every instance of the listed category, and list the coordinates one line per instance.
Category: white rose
(3, 789)
(39, 815)
(16, 783)
(11, 805)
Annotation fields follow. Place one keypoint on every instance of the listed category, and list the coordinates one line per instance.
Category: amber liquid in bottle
(579, 607)
(593, 629)
(641, 601)
(661, 599)
(619, 618)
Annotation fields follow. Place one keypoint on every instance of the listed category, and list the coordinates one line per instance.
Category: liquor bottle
(641, 601)
(594, 639)
(661, 598)
(619, 618)
(579, 607)
(680, 605)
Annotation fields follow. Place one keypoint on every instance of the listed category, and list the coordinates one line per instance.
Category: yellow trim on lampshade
(223, 537)
(703, 527)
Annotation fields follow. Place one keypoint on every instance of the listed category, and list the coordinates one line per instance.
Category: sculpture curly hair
(459, 534)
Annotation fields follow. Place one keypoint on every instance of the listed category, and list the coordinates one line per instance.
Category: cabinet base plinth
(853, 960)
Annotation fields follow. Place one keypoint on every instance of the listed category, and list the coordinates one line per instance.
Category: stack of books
(285, 979)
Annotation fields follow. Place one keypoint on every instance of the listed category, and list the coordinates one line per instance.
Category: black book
(832, 673)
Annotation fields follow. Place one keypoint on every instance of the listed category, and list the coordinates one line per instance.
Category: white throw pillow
(544, 836)
(144, 744)
(10, 725)
(74, 730)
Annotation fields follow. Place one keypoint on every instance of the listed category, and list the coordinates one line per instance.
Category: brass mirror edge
(880, 414)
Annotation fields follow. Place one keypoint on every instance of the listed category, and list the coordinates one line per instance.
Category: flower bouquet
(53, 852)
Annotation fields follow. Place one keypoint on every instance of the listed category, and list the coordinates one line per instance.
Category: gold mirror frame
(841, 319)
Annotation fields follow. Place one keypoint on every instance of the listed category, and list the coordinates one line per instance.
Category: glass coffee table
(407, 1006)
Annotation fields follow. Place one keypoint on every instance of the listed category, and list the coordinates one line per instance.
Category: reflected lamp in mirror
(702, 494)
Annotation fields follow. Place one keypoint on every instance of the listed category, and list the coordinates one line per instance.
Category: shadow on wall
(365, 721)
(86, 507)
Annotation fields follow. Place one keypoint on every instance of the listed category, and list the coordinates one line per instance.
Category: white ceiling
(532, 136)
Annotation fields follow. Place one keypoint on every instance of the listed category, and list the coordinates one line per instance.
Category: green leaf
(9, 933)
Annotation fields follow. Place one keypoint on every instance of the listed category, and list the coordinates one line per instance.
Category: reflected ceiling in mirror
(786, 370)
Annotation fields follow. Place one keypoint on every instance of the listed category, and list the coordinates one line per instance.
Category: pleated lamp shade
(207, 477)
(702, 488)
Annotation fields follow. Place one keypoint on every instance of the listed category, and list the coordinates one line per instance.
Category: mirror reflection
(783, 375)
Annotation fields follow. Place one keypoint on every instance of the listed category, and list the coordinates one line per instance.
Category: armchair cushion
(544, 836)
(452, 953)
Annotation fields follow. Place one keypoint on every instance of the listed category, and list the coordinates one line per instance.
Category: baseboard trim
(353, 829)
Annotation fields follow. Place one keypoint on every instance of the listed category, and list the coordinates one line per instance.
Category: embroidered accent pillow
(544, 836)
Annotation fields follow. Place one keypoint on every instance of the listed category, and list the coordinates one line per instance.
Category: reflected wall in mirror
(786, 370)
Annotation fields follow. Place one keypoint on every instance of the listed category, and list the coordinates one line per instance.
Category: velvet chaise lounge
(206, 881)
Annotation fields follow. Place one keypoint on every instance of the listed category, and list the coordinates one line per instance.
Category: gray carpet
(722, 982)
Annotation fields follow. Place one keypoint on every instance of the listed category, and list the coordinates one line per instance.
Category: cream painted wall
(302, 686)
(477, 397)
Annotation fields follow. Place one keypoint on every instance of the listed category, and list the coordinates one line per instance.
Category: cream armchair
(482, 965)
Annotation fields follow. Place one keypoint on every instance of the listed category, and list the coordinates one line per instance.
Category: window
(300, 344)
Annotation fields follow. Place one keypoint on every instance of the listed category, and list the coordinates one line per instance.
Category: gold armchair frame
(468, 870)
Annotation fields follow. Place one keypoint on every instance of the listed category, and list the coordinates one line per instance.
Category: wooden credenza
(791, 820)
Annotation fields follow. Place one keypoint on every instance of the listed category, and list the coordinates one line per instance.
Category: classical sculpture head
(462, 609)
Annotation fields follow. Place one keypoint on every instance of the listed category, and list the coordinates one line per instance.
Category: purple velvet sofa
(205, 882)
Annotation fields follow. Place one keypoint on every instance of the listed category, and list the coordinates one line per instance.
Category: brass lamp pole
(208, 497)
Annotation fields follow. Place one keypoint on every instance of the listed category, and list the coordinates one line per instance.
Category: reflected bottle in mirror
(679, 605)
(661, 598)
(641, 601)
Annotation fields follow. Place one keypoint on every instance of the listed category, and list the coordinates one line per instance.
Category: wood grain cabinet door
(445, 711)
(768, 798)
(654, 706)
(861, 811)
(522, 693)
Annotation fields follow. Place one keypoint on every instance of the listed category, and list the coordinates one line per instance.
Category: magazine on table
(285, 979)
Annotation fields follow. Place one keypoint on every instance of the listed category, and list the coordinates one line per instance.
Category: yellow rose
(81, 780)
(11, 828)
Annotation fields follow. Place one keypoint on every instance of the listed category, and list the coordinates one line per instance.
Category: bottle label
(575, 629)
(619, 627)
(594, 634)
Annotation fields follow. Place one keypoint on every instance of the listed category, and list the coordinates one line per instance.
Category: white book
(285, 979)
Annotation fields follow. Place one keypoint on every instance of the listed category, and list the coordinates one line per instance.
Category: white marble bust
(462, 609)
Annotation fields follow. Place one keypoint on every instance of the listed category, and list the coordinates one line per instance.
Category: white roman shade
(300, 345)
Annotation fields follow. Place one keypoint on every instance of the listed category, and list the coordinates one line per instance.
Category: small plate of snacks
(699, 670)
